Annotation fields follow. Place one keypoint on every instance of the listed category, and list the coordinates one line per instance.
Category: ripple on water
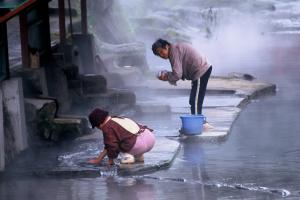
(281, 192)
(249, 187)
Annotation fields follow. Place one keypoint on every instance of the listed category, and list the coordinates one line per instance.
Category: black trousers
(198, 92)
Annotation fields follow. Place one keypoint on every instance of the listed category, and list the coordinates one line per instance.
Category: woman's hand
(163, 75)
(94, 161)
(111, 161)
(99, 158)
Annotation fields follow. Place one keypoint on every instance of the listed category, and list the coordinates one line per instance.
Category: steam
(234, 35)
(236, 39)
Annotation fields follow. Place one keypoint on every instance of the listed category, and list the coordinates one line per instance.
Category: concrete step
(108, 100)
(92, 83)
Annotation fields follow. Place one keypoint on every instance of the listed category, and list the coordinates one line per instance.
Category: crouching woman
(121, 135)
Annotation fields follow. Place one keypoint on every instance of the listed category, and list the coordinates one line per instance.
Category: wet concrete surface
(221, 107)
(70, 158)
(258, 159)
(68, 161)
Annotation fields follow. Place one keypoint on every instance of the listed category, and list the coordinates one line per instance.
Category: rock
(69, 127)
(39, 116)
(248, 77)
(117, 56)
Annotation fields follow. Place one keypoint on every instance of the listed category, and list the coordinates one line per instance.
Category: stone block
(14, 103)
(83, 53)
(71, 72)
(58, 86)
(75, 85)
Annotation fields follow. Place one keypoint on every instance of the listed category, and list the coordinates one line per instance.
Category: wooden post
(84, 26)
(62, 23)
(46, 26)
(24, 40)
(4, 62)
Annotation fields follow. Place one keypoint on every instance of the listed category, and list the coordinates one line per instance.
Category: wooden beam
(17, 11)
(84, 27)
(70, 18)
(4, 62)
(46, 25)
(62, 21)
(24, 40)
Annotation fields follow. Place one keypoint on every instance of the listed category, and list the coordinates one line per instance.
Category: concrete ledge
(152, 109)
(160, 157)
(14, 102)
(220, 110)
(225, 98)
(226, 85)
(107, 100)
(93, 84)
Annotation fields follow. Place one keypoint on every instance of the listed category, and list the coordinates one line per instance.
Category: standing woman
(188, 64)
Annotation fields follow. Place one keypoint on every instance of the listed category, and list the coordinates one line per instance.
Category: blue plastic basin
(192, 124)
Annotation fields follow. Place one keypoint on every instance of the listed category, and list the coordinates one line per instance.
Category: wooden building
(34, 29)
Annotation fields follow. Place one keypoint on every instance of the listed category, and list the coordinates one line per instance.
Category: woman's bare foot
(139, 158)
(207, 126)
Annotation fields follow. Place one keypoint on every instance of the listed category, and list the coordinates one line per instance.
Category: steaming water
(260, 159)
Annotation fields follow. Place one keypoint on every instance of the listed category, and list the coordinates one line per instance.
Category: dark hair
(159, 43)
(97, 117)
